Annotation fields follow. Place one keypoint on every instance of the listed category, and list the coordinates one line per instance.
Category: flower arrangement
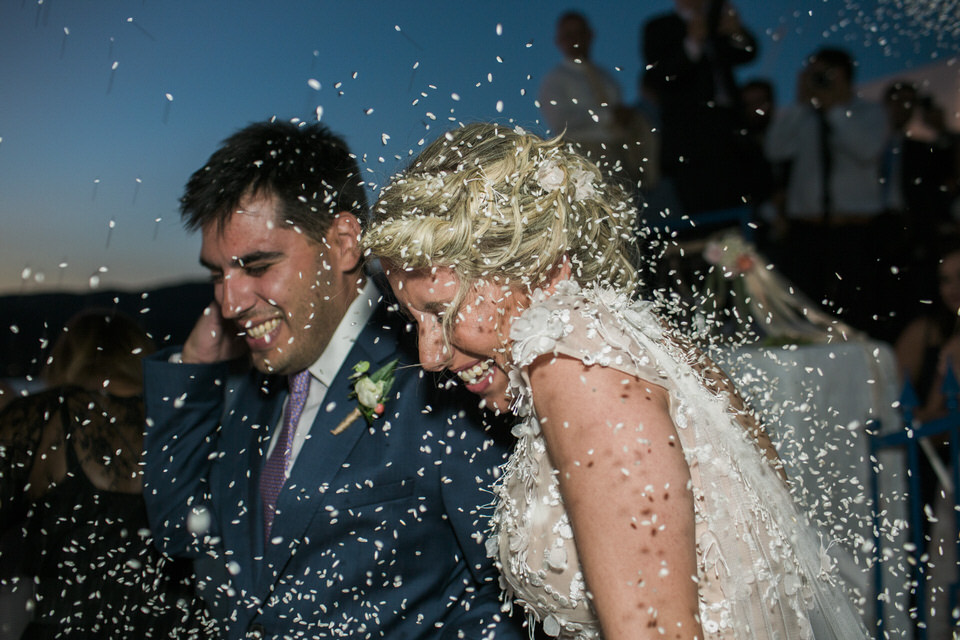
(732, 254)
(731, 257)
(756, 300)
(370, 391)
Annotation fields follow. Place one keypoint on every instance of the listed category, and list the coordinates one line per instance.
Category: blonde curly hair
(501, 204)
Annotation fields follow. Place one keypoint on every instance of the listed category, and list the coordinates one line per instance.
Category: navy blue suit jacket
(378, 530)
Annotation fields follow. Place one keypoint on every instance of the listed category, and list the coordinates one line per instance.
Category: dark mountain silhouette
(29, 324)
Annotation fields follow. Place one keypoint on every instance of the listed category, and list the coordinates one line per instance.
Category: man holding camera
(689, 56)
(833, 235)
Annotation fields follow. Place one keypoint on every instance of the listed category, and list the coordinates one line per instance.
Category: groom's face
(282, 291)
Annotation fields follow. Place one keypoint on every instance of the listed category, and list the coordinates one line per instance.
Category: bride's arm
(626, 487)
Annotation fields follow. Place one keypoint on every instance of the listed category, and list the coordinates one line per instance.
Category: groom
(371, 532)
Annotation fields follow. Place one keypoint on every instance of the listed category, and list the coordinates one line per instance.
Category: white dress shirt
(323, 371)
(858, 138)
(569, 99)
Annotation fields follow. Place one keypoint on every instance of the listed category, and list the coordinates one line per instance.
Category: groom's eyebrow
(250, 258)
(436, 307)
(256, 256)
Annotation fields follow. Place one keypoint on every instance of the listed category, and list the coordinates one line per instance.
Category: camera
(821, 79)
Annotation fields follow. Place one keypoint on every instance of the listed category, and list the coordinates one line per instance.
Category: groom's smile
(282, 291)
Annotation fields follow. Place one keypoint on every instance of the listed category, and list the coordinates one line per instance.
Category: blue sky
(108, 105)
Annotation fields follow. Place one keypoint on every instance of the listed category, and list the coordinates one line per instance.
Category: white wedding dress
(763, 571)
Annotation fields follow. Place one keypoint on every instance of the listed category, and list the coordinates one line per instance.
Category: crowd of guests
(848, 196)
(260, 503)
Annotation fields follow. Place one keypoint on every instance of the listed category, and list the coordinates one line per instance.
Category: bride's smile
(475, 349)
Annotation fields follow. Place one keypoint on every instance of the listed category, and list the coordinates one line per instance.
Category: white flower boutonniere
(370, 391)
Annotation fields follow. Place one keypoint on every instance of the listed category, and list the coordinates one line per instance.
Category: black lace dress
(70, 484)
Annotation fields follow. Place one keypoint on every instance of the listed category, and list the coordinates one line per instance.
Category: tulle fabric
(764, 571)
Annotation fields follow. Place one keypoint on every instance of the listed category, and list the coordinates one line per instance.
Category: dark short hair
(309, 169)
(835, 58)
(573, 15)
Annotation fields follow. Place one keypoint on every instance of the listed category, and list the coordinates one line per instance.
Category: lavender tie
(275, 470)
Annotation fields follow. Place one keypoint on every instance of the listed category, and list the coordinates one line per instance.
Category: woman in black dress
(70, 494)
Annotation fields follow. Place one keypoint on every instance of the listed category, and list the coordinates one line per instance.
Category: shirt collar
(346, 334)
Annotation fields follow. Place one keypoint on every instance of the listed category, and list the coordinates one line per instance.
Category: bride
(642, 498)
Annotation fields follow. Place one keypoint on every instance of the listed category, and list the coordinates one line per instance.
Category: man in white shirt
(584, 101)
(834, 234)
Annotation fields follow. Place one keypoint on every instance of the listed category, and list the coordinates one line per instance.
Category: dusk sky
(108, 105)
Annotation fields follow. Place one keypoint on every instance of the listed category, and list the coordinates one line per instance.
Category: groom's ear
(344, 238)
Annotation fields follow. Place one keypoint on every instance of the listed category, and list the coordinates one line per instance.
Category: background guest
(925, 345)
(920, 169)
(925, 350)
(582, 99)
(767, 180)
(690, 54)
(837, 243)
(70, 491)
(920, 182)
(658, 200)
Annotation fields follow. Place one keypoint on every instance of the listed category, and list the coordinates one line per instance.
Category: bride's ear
(560, 271)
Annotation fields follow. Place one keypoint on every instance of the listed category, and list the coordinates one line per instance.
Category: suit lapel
(323, 453)
(250, 423)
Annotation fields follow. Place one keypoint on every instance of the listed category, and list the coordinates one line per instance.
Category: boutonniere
(370, 391)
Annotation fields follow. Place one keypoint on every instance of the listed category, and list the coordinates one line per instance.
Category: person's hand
(822, 86)
(729, 24)
(697, 28)
(212, 339)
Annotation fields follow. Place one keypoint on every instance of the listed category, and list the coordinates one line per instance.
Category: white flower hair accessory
(434, 184)
(583, 185)
(550, 175)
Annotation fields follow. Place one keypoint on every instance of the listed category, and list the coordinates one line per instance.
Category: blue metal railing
(908, 440)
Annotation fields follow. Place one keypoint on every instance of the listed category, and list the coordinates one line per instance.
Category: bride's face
(477, 351)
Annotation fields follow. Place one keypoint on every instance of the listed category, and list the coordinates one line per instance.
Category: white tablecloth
(817, 401)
